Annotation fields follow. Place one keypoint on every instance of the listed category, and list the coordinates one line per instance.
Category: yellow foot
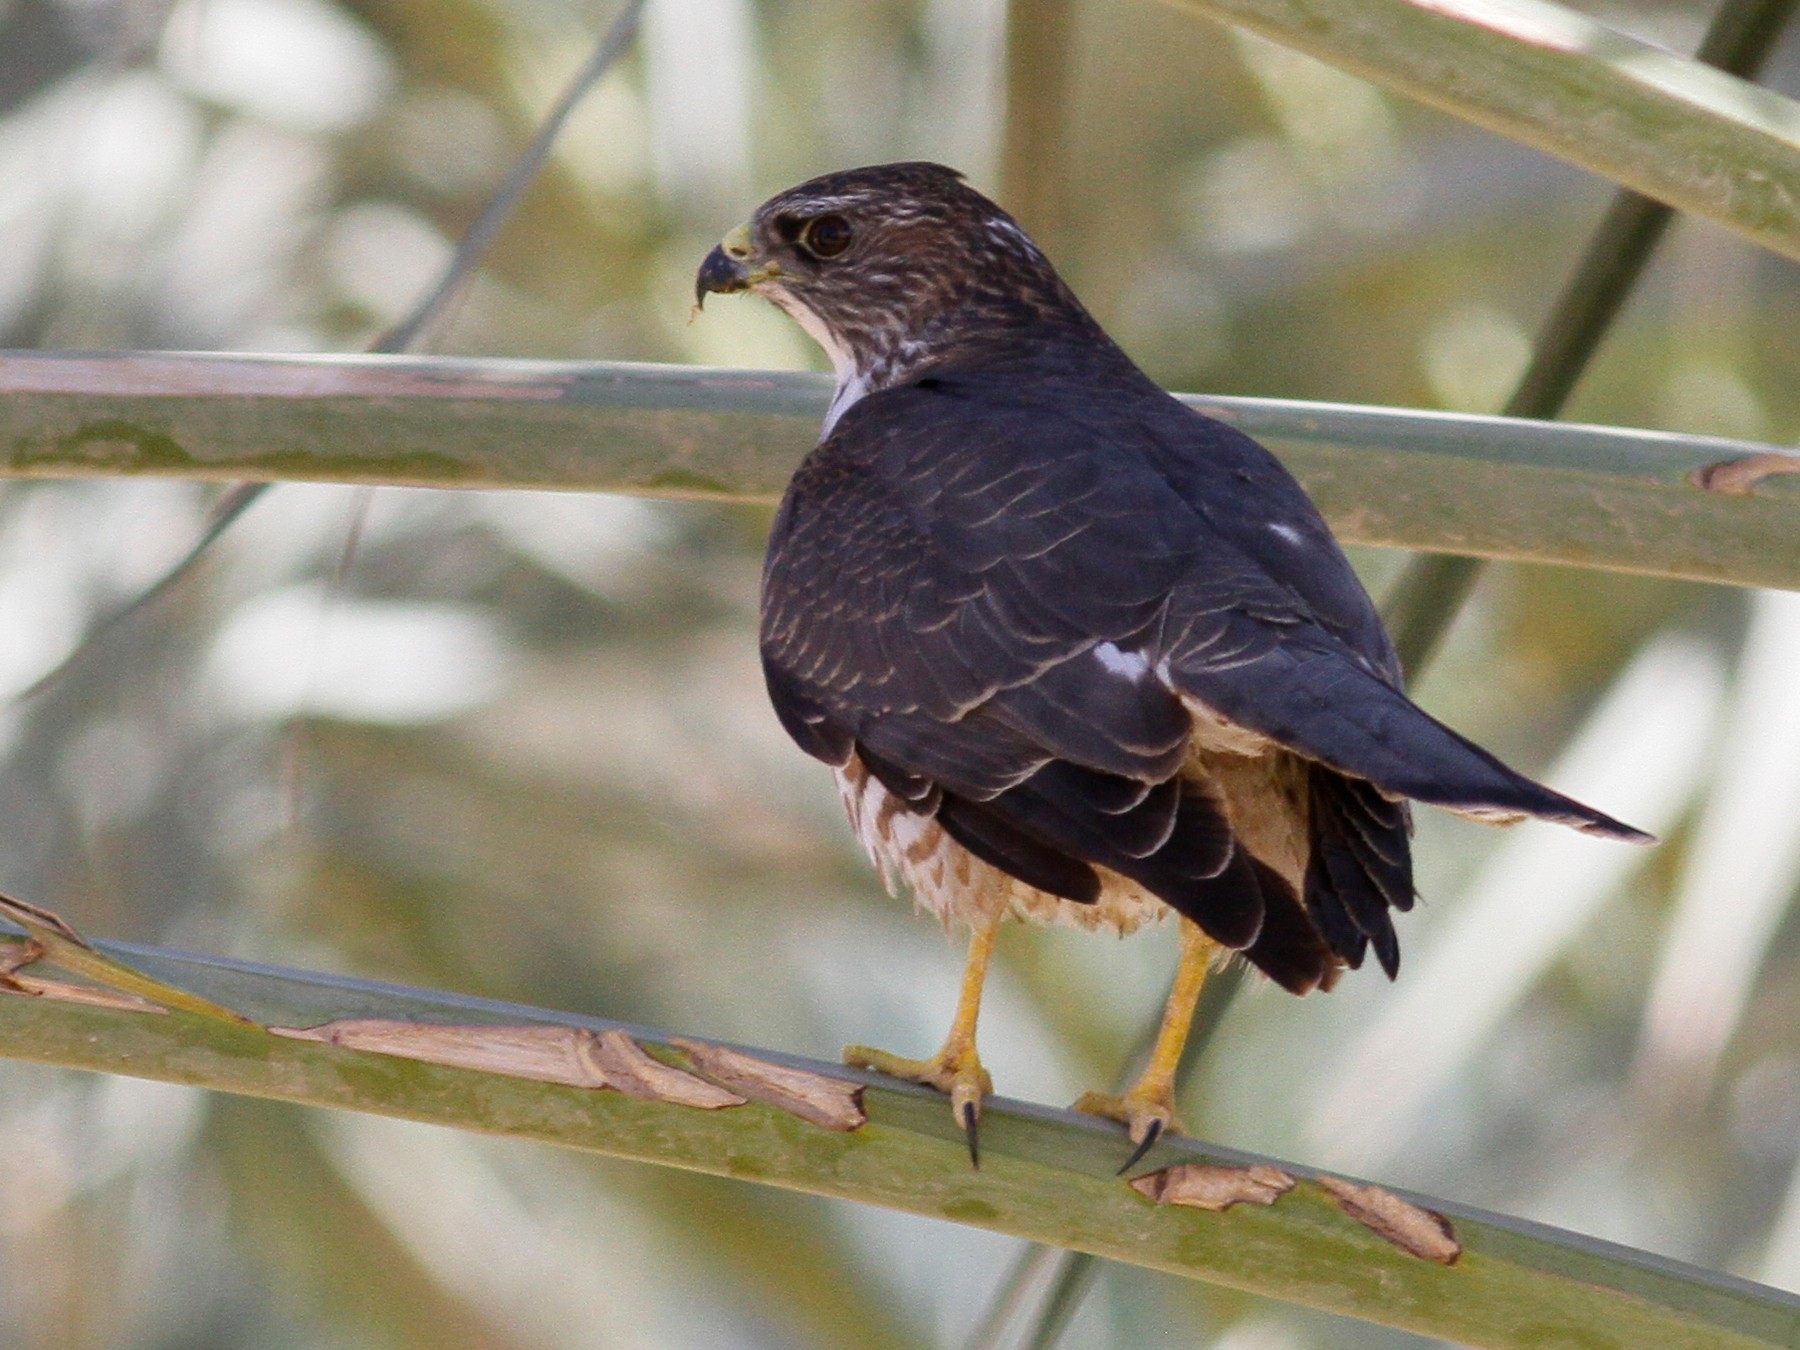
(1147, 1115)
(959, 1075)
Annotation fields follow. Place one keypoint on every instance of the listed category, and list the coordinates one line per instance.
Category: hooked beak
(730, 267)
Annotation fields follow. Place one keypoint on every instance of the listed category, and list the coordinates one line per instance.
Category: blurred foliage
(517, 745)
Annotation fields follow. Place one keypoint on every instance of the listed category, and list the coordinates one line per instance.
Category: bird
(1075, 652)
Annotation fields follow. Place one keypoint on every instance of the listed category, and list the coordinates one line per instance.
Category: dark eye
(825, 236)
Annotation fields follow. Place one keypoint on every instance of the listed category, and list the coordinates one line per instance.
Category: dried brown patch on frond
(834, 1103)
(1215, 1188)
(1415, 1230)
(542, 1053)
(570, 1056)
(13, 981)
(631, 1069)
(51, 938)
(1740, 477)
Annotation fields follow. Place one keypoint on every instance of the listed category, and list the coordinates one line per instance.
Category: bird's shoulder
(1250, 500)
(974, 532)
(935, 549)
(1103, 438)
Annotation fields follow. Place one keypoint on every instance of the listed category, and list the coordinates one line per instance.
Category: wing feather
(1008, 594)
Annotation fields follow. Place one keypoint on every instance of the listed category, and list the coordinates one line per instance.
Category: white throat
(852, 384)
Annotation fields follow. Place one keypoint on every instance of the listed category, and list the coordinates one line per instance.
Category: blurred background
(516, 745)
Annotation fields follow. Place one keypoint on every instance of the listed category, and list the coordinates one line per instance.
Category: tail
(1321, 705)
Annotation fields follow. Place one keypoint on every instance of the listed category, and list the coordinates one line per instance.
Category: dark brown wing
(968, 614)
(999, 593)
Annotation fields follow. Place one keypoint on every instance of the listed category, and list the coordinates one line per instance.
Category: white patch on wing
(1287, 532)
(1132, 666)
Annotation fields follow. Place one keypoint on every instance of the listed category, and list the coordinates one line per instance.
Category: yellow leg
(1148, 1109)
(956, 1069)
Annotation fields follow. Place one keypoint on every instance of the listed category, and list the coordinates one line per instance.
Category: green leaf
(1688, 135)
(1047, 1175)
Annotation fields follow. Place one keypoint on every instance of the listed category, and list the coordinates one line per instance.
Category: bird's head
(891, 269)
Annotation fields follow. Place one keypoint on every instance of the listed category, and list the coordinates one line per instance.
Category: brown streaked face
(889, 268)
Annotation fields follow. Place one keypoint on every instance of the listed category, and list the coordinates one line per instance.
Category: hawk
(1075, 652)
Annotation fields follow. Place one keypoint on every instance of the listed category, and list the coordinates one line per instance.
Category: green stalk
(1422, 603)
(409, 333)
(1034, 158)
(1426, 598)
(1673, 129)
(1046, 1175)
(1393, 477)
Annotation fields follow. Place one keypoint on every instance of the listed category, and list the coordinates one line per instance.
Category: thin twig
(403, 336)
(293, 734)
(1010, 1295)
(1426, 598)
(1075, 1275)
(236, 499)
(480, 236)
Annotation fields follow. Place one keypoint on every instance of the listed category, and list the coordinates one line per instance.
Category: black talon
(1151, 1135)
(971, 1123)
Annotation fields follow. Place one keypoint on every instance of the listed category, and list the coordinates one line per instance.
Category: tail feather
(1289, 949)
(1230, 907)
(1054, 828)
(1322, 705)
(981, 830)
(1360, 867)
